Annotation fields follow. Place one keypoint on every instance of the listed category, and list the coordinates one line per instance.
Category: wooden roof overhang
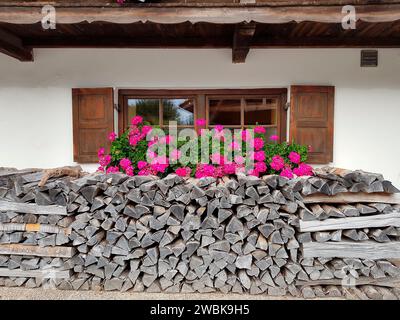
(269, 24)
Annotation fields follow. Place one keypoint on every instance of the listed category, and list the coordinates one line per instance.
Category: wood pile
(334, 234)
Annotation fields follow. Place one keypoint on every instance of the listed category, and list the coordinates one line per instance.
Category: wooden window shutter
(311, 120)
(93, 120)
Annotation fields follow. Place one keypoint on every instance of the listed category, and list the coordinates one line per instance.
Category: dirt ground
(51, 294)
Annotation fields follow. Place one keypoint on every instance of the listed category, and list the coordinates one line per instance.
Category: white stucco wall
(35, 98)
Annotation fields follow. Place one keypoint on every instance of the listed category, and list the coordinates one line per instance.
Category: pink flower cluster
(278, 164)
(209, 170)
(183, 172)
(220, 165)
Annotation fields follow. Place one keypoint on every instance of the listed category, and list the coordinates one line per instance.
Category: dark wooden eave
(13, 46)
(267, 24)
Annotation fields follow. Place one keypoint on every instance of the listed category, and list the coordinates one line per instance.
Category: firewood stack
(334, 234)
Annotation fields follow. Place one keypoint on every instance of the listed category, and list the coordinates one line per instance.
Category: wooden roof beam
(13, 46)
(241, 41)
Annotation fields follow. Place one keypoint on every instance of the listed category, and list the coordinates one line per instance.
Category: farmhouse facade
(286, 65)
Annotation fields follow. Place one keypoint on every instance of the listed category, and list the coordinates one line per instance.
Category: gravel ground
(49, 294)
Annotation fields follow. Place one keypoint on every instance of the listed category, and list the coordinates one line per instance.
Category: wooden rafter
(241, 41)
(13, 46)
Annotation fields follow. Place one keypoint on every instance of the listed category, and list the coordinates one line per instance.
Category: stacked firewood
(267, 235)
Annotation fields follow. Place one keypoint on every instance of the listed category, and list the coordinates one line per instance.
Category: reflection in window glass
(224, 111)
(146, 108)
(271, 132)
(260, 111)
(179, 110)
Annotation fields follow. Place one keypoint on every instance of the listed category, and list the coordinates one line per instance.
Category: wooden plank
(33, 227)
(384, 282)
(375, 221)
(363, 250)
(29, 250)
(221, 13)
(13, 46)
(44, 274)
(348, 197)
(32, 208)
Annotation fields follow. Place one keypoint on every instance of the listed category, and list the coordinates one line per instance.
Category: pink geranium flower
(253, 172)
(259, 156)
(201, 122)
(287, 172)
(277, 163)
(205, 170)
(229, 168)
(141, 164)
(294, 157)
(112, 169)
(100, 152)
(183, 172)
(260, 166)
(112, 136)
(258, 143)
(274, 138)
(100, 169)
(146, 129)
(134, 140)
(303, 170)
(151, 154)
(105, 160)
(125, 163)
(136, 120)
(129, 170)
(259, 130)
(219, 127)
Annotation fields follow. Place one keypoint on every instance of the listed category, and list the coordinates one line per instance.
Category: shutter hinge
(116, 107)
(286, 107)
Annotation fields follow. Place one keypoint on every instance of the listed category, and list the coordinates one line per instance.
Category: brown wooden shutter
(93, 120)
(311, 120)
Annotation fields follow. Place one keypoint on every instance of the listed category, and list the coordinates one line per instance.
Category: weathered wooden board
(375, 221)
(45, 274)
(189, 12)
(27, 250)
(384, 282)
(357, 197)
(34, 227)
(32, 208)
(363, 250)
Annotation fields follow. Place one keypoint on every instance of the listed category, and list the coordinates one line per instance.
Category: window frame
(201, 98)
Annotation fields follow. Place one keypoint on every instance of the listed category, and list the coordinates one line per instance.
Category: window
(231, 108)
(243, 112)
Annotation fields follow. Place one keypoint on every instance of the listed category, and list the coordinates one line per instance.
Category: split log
(32, 208)
(363, 250)
(375, 221)
(75, 172)
(42, 274)
(391, 282)
(37, 227)
(349, 197)
(27, 250)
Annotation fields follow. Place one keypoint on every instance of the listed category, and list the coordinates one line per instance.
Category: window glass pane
(224, 111)
(260, 111)
(271, 132)
(146, 108)
(179, 110)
